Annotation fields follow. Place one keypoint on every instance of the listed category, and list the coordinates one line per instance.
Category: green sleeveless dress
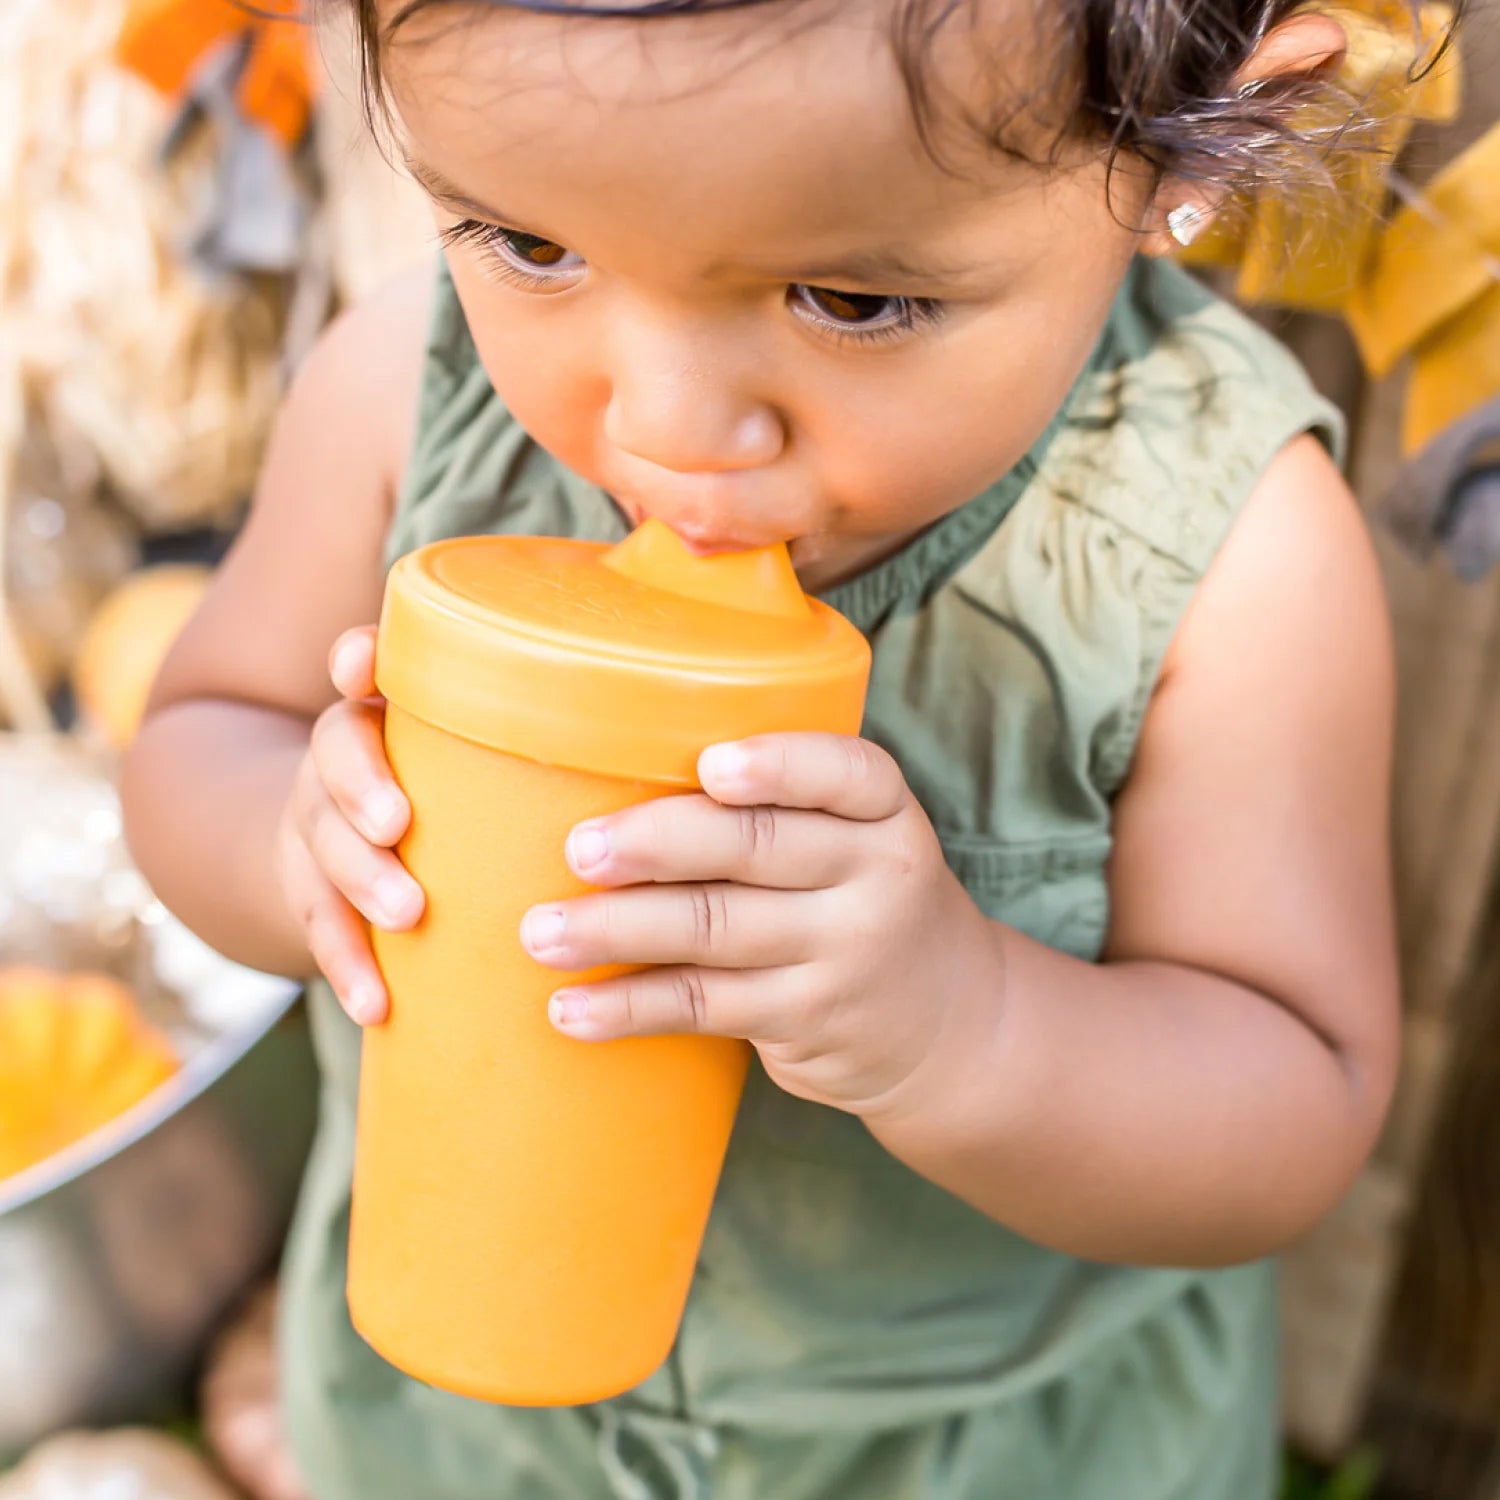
(854, 1332)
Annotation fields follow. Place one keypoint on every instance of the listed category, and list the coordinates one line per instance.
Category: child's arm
(208, 785)
(1204, 1094)
(1209, 1091)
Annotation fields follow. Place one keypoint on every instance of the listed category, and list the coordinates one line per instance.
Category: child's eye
(527, 259)
(529, 252)
(863, 315)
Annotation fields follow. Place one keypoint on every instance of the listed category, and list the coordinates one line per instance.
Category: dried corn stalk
(106, 331)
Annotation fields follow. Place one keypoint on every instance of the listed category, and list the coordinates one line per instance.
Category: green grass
(187, 1430)
(1354, 1479)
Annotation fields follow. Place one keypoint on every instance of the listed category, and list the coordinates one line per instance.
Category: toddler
(1071, 980)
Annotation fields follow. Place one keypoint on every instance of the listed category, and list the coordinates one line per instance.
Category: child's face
(708, 264)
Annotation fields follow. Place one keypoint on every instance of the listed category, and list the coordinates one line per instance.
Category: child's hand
(803, 903)
(334, 843)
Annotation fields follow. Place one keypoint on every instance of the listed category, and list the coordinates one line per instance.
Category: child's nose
(672, 413)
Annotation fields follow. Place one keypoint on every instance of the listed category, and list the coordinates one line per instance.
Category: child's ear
(1308, 45)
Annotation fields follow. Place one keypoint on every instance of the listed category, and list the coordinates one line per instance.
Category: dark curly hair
(1147, 80)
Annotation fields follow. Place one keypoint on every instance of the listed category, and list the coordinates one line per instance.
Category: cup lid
(625, 661)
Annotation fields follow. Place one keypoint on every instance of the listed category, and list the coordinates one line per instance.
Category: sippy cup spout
(761, 581)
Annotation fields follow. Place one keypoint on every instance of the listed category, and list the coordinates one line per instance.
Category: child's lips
(735, 510)
(707, 542)
(704, 539)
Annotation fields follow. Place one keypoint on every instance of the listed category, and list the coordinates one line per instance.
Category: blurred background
(187, 193)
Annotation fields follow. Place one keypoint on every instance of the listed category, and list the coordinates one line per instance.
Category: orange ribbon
(165, 41)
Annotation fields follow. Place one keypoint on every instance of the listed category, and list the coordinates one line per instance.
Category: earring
(1186, 222)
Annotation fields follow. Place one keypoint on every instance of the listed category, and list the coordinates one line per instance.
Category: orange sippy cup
(528, 1208)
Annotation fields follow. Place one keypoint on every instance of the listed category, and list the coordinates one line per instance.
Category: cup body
(527, 1207)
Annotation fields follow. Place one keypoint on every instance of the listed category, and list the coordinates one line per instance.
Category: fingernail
(724, 763)
(568, 1007)
(395, 898)
(343, 659)
(385, 810)
(542, 928)
(365, 1003)
(588, 845)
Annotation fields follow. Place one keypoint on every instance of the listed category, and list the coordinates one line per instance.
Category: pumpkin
(127, 1462)
(126, 641)
(74, 1054)
(48, 1283)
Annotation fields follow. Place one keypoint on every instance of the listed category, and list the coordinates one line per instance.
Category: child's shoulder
(389, 321)
(358, 386)
(1194, 437)
(1184, 410)
(1171, 328)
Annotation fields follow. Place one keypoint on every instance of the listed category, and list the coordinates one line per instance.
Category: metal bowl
(121, 1256)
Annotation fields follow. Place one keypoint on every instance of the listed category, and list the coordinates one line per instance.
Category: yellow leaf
(1453, 371)
(1221, 244)
(1397, 63)
(1431, 262)
(1312, 256)
(1437, 94)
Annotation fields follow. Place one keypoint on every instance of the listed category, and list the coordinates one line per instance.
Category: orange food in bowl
(74, 1055)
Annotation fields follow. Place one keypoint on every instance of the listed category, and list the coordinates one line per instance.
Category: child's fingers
(351, 662)
(662, 1001)
(694, 838)
(336, 938)
(373, 879)
(349, 752)
(719, 926)
(341, 949)
(834, 773)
